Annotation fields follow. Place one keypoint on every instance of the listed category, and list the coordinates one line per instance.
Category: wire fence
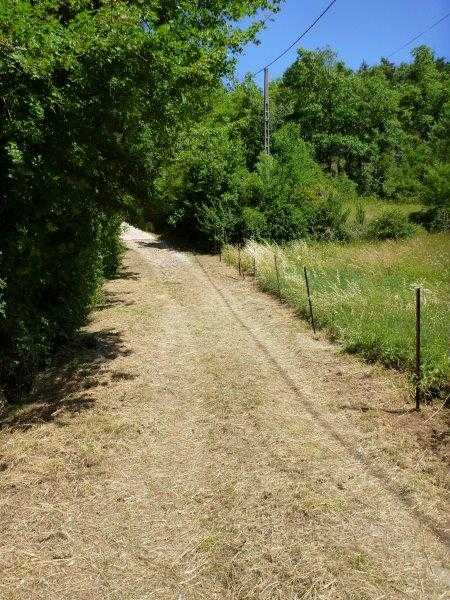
(295, 284)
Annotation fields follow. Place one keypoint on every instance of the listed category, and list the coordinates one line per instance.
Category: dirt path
(204, 446)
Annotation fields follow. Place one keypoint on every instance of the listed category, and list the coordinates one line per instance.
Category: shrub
(291, 195)
(283, 205)
(286, 222)
(345, 188)
(437, 185)
(110, 245)
(195, 195)
(434, 219)
(390, 224)
(208, 195)
(52, 273)
(219, 220)
(328, 220)
(437, 196)
(255, 224)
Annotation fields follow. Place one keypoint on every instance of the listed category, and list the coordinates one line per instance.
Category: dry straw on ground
(205, 446)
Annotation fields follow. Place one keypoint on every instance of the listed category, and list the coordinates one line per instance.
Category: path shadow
(64, 386)
(166, 241)
(159, 245)
(127, 273)
(112, 299)
(366, 408)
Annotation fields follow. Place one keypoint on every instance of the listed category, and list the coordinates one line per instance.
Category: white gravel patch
(152, 247)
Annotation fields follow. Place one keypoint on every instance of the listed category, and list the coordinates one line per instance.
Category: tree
(381, 125)
(93, 95)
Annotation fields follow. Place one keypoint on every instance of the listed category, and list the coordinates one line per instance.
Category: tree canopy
(336, 133)
(93, 97)
(124, 107)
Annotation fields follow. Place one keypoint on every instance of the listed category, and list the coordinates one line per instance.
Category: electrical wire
(420, 35)
(323, 13)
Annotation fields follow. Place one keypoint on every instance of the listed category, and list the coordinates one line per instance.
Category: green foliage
(329, 219)
(255, 224)
(335, 133)
(392, 223)
(219, 221)
(437, 185)
(381, 126)
(111, 246)
(241, 109)
(94, 97)
(293, 193)
(207, 192)
(52, 274)
(193, 193)
(434, 219)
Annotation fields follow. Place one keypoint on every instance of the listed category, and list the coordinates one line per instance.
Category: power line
(420, 35)
(298, 39)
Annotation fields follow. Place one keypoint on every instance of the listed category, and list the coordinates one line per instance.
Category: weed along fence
(371, 309)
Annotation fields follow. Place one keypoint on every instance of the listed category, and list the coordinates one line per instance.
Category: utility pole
(266, 112)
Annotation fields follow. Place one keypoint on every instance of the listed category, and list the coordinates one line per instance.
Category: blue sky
(358, 30)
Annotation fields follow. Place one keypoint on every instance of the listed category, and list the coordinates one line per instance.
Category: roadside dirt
(198, 443)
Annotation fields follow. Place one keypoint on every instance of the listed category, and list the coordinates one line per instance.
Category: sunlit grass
(363, 295)
(373, 207)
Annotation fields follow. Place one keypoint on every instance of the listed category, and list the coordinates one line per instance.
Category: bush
(292, 197)
(111, 246)
(435, 219)
(195, 195)
(52, 272)
(219, 222)
(328, 220)
(390, 224)
(437, 185)
(207, 194)
(286, 222)
(255, 224)
(274, 195)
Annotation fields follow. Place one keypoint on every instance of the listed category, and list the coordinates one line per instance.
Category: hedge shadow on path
(64, 386)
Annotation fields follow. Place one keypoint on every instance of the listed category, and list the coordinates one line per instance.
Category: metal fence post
(418, 350)
(311, 312)
(277, 272)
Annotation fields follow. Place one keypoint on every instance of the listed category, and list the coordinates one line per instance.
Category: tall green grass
(373, 206)
(363, 295)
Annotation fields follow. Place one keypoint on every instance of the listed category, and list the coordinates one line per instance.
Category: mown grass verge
(363, 295)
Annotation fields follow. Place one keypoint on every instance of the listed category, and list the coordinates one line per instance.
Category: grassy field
(373, 206)
(363, 295)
